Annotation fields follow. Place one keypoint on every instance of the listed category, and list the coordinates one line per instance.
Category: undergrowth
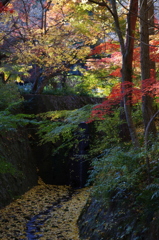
(120, 181)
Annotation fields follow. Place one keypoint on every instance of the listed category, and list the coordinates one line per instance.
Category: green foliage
(121, 168)
(10, 122)
(90, 83)
(115, 171)
(77, 90)
(120, 180)
(10, 105)
(62, 125)
(97, 83)
(14, 72)
(105, 133)
(137, 115)
(9, 94)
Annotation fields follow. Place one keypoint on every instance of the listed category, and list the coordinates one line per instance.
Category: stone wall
(15, 150)
(36, 103)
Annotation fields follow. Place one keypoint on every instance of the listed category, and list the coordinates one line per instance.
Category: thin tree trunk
(127, 67)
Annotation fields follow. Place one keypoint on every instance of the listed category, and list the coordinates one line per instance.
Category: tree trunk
(127, 76)
(40, 88)
(147, 107)
(45, 81)
(127, 71)
(151, 11)
(35, 84)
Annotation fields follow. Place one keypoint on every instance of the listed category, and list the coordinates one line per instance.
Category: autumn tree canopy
(48, 36)
(116, 41)
(128, 18)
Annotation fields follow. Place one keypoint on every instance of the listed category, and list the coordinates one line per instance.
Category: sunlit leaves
(106, 47)
(49, 35)
(9, 94)
(115, 97)
(6, 9)
(62, 125)
(116, 73)
(61, 220)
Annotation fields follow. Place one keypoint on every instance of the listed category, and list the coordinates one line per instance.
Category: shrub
(9, 94)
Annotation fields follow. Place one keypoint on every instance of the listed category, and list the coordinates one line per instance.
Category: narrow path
(45, 212)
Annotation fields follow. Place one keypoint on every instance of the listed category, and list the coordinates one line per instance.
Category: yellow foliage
(62, 220)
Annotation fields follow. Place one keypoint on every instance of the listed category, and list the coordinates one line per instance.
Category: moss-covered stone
(21, 174)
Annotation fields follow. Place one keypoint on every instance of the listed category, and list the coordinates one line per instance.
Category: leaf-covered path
(45, 212)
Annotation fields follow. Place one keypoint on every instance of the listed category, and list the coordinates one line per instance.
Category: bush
(9, 94)
(120, 182)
